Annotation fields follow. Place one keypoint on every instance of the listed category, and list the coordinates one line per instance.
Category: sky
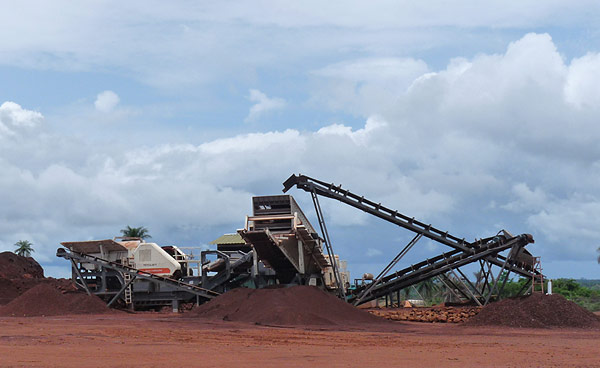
(472, 116)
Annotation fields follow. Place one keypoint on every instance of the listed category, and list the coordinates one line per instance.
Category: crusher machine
(285, 242)
(278, 245)
(143, 275)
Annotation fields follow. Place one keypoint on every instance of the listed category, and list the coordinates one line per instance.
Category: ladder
(127, 293)
(537, 278)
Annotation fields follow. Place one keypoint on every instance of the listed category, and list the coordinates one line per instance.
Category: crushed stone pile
(13, 266)
(47, 299)
(535, 311)
(292, 306)
(438, 314)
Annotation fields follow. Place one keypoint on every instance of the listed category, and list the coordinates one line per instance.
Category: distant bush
(586, 297)
(573, 290)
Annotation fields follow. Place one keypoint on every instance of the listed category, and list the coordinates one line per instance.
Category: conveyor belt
(462, 252)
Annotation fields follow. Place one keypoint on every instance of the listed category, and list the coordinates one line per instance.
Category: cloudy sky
(473, 116)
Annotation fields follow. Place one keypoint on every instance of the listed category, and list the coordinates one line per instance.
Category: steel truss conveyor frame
(485, 250)
(178, 290)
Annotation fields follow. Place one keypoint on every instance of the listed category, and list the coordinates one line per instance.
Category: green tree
(136, 232)
(24, 248)
(427, 289)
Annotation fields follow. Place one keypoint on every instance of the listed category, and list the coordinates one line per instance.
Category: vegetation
(592, 284)
(136, 232)
(585, 293)
(586, 296)
(24, 248)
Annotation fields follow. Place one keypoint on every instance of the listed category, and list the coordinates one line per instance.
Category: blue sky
(472, 116)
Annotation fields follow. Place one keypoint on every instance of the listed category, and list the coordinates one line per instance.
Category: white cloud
(365, 86)
(582, 89)
(106, 101)
(571, 224)
(372, 252)
(182, 43)
(14, 118)
(360, 136)
(263, 104)
(526, 199)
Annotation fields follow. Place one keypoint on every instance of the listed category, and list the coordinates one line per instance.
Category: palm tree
(426, 288)
(135, 232)
(24, 248)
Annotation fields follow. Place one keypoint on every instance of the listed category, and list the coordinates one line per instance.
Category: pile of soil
(24, 291)
(46, 299)
(13, 266)
(8, 291)
(292, 306)
(535, 311)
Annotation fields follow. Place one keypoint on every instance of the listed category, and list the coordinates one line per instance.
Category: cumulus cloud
(582, 88)
(526, 198)
(570, 224)
(263, 104)
(14, 118)
(106, 101)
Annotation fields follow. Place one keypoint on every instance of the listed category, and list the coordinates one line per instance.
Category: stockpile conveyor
(485, 250)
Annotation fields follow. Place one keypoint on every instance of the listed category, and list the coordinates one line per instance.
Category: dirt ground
(165, 340)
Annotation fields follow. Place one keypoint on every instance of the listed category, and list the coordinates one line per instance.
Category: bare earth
(164, 340)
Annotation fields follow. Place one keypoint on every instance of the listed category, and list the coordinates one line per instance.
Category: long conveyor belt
(463, 252)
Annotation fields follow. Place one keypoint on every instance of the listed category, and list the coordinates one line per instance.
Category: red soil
(293, 306)
(536, 311)
(48, 300)
(10, 289)
(24, 291)
(159, 340)
(13, 266)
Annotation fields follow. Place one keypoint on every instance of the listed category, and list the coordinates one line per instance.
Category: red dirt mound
(10, 289)
(293, 306)
(13, 266)
(535, 311)
(47, 299)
